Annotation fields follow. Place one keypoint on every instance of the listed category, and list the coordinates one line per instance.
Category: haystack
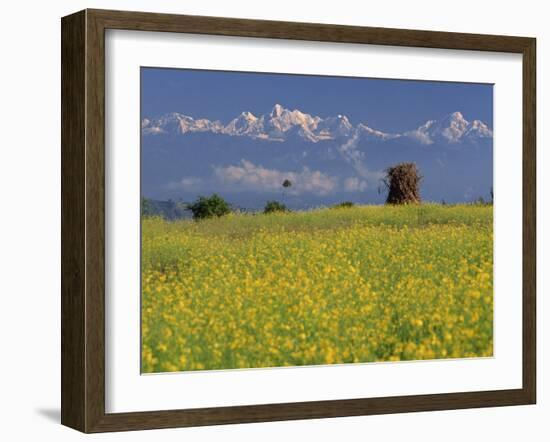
(403, 182)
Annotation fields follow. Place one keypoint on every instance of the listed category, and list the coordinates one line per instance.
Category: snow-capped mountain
(245, 124)
(282, 123)
(328, 159)
(179, 123)
(452, 129)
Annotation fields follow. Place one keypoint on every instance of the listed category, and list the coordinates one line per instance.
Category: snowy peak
(456, 118)
(245, 124)
(478, 129)
(453, 128)
(179, 123)
(276, 111)
(368, 132)
(282, 123)
(281, 120)
(338, 126)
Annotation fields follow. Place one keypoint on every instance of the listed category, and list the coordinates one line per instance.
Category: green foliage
(147, 208)
(275, 206)
(209, 207)
(344, 205)
(167, 209)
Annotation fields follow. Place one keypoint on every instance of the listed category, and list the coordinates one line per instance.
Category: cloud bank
(249, 176)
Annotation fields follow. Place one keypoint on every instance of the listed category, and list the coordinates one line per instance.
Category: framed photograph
(269, 221)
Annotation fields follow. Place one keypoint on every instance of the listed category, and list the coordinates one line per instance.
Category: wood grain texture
(95, 221)
(83, 220)
(73, 253)
(308, 410)
(144, 21)
(529, 220)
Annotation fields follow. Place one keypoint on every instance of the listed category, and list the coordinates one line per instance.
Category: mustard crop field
(327, 286)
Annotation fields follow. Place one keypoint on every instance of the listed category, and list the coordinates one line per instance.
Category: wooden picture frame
(83, 220)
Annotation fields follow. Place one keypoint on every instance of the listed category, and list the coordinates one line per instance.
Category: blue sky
(388, 105)
(247, 171)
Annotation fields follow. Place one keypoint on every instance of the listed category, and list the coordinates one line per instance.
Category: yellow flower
(320, 287)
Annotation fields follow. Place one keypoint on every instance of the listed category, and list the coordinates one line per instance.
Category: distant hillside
(169, 209)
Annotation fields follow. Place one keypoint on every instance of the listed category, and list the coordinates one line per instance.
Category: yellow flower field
(330, 286)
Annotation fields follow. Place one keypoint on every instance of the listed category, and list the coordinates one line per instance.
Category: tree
(286, 184)
(275, 206)
(209, 207)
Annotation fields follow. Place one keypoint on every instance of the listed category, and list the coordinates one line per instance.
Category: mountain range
(281, 123)
(328, 159)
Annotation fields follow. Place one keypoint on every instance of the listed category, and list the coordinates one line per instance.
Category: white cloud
(248, 176)
(421, 136)
(356, 158)
(187, 184)
(354, 184)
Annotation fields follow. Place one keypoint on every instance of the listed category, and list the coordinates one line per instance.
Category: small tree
(403, 183)
(286, 184)
(209, 207)
(275, 206)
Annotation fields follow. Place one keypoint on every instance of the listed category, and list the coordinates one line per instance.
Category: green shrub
(275, 206)
(209, 207)
(344, 205)
(147, 208)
